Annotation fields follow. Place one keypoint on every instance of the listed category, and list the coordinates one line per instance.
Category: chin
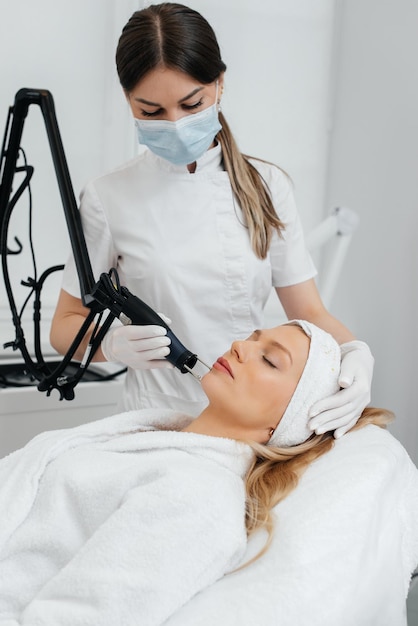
(205, 381)
(212, 385)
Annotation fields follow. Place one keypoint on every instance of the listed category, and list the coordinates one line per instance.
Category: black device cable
(41, 370)
(19, 342)
(37, 370)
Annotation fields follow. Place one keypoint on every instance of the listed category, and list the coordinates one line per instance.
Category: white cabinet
(25, 411)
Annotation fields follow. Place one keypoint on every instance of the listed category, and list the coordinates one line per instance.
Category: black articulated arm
(103, 295)
(10, 153)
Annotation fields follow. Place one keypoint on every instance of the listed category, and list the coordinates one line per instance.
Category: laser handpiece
(132, 310)
(136, 311)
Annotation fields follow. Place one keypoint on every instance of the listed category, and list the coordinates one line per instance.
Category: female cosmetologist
(196, 229)
(123, 520)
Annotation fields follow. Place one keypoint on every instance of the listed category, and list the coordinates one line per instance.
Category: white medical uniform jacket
(180, 243)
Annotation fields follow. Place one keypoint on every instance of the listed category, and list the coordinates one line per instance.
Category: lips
(222, 365)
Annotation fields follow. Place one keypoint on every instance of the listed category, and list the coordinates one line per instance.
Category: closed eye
(151, 113)
(190, 107)
(266, 360)
(185, 107)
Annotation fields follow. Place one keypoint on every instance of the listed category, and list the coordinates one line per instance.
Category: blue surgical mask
(183, 141)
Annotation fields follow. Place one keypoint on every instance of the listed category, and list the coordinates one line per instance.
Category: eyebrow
(276, 344)
(156, 104)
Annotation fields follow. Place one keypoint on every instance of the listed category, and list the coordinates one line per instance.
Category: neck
(213, 423)
(207, 423)
(192, 166)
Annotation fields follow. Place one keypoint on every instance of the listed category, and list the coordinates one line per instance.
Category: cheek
(265, 396)
(273, 397)
(259, 395)
(227, 395)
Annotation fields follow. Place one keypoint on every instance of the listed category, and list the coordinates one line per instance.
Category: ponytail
(251, 192)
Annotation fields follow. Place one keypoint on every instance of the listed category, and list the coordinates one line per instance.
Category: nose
(240, 350)
(174, 115)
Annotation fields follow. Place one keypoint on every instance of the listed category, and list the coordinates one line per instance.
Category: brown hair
(177, 37)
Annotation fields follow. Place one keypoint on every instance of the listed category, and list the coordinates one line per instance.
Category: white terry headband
(319, 379)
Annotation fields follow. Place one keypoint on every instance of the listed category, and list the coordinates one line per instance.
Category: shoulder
(115, 190)
(271, 172)
(277, 181)
(215, 473)
(120, 176)
(127, 169)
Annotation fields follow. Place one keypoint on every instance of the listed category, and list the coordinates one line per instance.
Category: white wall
(373, 169)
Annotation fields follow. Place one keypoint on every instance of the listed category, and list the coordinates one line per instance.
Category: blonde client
(124, 520)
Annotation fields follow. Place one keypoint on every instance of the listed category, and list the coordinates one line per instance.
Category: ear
(265, 435)
(221, 84)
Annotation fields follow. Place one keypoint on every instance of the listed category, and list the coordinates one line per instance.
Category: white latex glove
(341, 411)
(139, 347)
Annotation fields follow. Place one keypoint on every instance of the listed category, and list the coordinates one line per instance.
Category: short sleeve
(290, 259)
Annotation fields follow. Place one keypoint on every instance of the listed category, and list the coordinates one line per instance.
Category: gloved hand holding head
(340, 411)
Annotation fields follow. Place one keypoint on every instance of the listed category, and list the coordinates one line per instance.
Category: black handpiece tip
(190, 362)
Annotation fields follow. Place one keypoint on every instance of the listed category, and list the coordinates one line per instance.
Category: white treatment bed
(345, 546)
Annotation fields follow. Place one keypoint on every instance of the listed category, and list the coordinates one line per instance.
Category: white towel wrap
(319, 379)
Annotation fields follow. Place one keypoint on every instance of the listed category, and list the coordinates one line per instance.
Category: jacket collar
(211, 161)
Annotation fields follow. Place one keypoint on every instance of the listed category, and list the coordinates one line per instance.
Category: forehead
(292, 338)
(163, 81)
(285, 332)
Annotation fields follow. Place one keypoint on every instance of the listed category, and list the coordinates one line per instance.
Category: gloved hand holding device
(146, 337)
(341, 411)
(139, 347)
